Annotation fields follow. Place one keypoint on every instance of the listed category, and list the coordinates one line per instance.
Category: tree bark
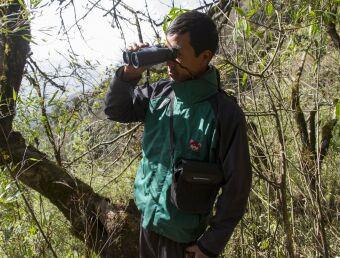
(103, 226)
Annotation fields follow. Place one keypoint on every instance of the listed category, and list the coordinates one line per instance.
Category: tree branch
(101, 225)
(105, 143)
(299, 116)
(326, 136)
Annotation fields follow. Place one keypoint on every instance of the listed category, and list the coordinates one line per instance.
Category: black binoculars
(149, 56)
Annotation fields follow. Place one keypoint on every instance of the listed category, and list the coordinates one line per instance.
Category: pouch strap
(172, 144)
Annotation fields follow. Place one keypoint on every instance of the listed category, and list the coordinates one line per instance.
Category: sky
(101, 42)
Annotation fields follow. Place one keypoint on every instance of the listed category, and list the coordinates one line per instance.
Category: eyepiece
(127, 57)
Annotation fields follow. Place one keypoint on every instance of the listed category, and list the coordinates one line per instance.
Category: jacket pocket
(195, 185)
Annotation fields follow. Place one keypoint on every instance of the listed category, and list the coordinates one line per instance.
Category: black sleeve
(124, 102)
(234, 156)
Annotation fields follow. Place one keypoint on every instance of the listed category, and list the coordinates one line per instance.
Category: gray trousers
(152, 245)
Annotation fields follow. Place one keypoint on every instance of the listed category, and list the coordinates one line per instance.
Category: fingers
(136, 46)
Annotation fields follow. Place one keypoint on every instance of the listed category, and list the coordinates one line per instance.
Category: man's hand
(195, 252)
(131, 73)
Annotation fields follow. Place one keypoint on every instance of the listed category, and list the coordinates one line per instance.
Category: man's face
(187, 64)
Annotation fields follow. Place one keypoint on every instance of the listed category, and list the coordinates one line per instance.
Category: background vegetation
(67, 173)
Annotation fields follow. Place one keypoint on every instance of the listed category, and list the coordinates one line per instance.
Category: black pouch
(195, 185)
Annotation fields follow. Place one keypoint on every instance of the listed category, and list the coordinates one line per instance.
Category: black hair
(202, 30)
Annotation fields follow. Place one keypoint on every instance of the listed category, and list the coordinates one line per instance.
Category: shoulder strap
(172, 144)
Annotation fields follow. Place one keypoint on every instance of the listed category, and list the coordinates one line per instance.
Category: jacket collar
(192, 91)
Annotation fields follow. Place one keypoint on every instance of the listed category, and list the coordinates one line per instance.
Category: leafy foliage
(280, 60)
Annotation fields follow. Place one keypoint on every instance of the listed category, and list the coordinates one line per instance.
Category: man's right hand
(130, 73)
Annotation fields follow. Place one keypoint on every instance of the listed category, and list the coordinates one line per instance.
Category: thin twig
(104, 143)
(130, 163)
(47, 77)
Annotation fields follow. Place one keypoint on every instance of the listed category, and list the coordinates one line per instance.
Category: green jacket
(208, 126)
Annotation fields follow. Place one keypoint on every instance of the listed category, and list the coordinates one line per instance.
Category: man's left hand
(196, 251)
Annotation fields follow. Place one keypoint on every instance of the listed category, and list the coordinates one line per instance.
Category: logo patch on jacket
(195, 145)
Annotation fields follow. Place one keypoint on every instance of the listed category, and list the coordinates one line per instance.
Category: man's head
(195, 36)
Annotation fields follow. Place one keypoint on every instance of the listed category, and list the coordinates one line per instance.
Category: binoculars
(149, 56)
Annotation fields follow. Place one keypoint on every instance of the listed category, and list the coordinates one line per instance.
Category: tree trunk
(93, 218)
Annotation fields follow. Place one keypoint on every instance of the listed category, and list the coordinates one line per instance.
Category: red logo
(195, 145)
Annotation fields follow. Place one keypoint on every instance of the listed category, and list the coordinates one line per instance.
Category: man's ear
(206, 56)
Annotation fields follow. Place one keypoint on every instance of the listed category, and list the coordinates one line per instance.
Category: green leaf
(165, 24)
(312, 13)
(173, 13)
(97, 104)
(337, 111)
(43, 119)
(251, 13)
(263, 61)
(253, 226)
(21, 3)
(240, 11)
(248, 29)
(32, 230)
(264, 244)
(244, 79)
(14, 95)
(269, 9)
(314, 28)
(259, 34)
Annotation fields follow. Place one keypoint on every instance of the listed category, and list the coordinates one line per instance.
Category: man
(205, 124)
